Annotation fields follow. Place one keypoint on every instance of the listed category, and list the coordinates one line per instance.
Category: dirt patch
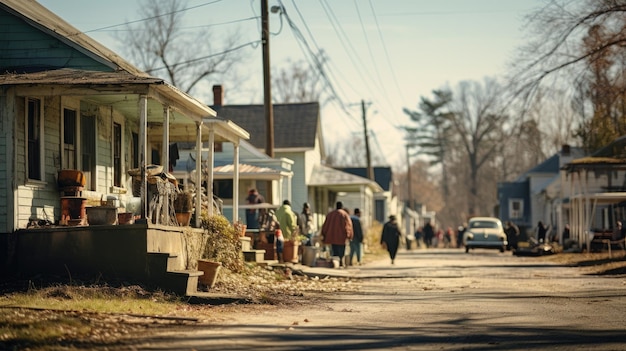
(592, 263)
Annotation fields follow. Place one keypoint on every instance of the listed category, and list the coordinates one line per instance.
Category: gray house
(70, 105)
(298, 137)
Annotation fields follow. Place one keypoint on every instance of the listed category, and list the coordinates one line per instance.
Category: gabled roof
(551, 165)
(40, 17)
(340, 181)
(296, 126)
(382, 175)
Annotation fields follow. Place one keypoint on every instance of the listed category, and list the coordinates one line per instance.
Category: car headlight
(470, 236)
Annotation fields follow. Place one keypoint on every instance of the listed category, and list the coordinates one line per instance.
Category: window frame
(31, 178)
(512, 214)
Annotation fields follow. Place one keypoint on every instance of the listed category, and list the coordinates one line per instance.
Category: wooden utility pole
(267, 83)
(409, 177)
(267, 91)
(370, 170)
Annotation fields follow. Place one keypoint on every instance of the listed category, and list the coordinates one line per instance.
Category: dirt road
(430, 299)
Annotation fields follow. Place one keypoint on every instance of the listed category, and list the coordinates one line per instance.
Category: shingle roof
(295, 125)
(382, 175)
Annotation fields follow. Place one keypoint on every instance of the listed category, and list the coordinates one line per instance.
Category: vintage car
(485, 233)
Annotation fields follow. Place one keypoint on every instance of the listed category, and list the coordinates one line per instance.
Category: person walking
(253, 198)
(542, 230)
(429, 233)
(288, 224)
(337, 228)
(305, 223)
(512, 234)
(356, 244)
(390, 237)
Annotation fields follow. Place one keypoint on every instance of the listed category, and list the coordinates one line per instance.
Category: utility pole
(370, 170)
(408, 176)
(267, 82)
(267, 91)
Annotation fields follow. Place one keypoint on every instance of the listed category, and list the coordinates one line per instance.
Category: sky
(386, 53)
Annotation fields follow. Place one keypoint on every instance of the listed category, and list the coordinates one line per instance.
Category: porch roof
(250, 172)
(122, 90)
(335, 180)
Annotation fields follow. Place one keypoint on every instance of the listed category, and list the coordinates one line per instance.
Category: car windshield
(484, 224)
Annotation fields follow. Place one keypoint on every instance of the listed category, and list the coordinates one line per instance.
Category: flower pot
(210, 269)
(101, 215)
(183, 218)
(290, 251)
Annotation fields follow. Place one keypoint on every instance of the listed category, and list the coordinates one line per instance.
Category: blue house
(533, 196)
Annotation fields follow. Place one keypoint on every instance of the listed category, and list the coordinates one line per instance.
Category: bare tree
(477, 118)
(161, 46)
(296, 83)
(579, 44)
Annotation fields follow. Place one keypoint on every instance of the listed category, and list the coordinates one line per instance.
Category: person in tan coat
(336, 230)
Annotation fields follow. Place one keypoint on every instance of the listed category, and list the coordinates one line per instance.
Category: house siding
(298, 184)
(25, 48)
(6, 143)
(36, 199)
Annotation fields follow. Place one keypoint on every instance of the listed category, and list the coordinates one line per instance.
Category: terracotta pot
(290, 251)
(183, 218)
(210, 269)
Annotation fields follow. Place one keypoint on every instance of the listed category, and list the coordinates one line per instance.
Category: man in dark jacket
(356, 244)
(390, 237)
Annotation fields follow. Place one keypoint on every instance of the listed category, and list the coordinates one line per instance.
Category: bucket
(309, 255)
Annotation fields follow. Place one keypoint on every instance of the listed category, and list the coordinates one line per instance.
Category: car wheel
(502, 249)
(466, 249)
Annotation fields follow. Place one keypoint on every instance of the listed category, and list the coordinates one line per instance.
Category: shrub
(221, 242)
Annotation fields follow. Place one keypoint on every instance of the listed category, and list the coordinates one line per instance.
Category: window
(69, 139)
(117, 154)
(88, 149)
(135, 161)
(516, 208)
(34, 137)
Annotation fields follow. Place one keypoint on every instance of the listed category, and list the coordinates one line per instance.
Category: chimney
(218, 95)
(565, 150)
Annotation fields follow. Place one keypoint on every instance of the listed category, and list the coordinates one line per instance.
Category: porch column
(165, 150)
(236, 183)
(210, 165)
(165, 158)
(198, 179)
(143, 152)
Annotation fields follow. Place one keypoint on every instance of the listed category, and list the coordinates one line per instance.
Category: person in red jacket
(336, 230)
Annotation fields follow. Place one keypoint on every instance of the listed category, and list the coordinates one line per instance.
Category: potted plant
(221, 248)
(183, 206)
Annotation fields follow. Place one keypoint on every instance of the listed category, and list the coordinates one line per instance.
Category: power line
(382, 40)
(150, 18)
(252, 43)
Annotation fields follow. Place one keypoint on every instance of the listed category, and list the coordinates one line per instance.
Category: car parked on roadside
(484, 233)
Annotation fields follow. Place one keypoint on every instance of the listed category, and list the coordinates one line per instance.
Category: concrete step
(182, 282)
(254, 255)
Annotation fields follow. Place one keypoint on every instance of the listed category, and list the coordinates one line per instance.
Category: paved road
(434, 299)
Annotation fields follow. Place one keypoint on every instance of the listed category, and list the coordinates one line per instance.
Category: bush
(221, 242)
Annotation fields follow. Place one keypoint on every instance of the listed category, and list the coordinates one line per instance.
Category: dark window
(88, 149)
(69, 139)
(34, 139)
(117, 154)
(135, 161)
(223, 188)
